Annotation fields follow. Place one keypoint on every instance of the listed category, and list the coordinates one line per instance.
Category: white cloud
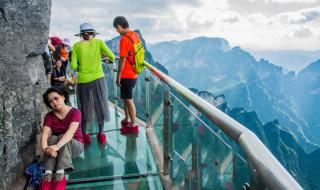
(293, 1)
(241, 22)
(305, 16)
(271, 7)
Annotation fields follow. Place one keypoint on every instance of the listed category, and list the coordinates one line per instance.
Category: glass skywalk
(124, 162)
(197, 146)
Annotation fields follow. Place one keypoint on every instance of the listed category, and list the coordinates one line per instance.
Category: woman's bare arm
(68, 135)
(44, 137)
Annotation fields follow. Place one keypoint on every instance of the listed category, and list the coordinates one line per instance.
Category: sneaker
(46, 182)
(125, 123)
(130, 129)
(125, 129)
(87, 139)
(59, 182)
(135, 129)
(101, 138)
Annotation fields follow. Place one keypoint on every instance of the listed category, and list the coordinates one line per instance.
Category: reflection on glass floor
(142, 183)
(125, 162)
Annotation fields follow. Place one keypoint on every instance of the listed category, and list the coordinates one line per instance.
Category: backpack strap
(129, 50)
(129, 38)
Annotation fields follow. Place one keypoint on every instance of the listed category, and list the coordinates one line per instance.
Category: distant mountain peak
(293, 60)
(199, 43)
(313, 67)
(216, 39)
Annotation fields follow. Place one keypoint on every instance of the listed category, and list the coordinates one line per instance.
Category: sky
(251, 24)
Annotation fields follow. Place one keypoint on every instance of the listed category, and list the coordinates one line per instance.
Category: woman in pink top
(61, 139)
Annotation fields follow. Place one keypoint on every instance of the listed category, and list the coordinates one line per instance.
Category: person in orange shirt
(61, 52)
(64, 53)
(127, 77)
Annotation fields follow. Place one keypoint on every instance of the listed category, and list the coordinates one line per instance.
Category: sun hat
(86, 27)
(55, 41)
(66, 41)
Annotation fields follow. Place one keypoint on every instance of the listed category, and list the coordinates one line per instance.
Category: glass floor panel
(113, 124)
(92, 127)
(121, 156)
(124, 162)
(142, 183)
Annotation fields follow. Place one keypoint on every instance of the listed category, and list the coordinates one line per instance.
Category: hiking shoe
(101, 138)
(46, 182)
(59, 182)
(87, 139)
(125, 123)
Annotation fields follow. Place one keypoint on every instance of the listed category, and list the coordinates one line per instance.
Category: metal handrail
(267, 167)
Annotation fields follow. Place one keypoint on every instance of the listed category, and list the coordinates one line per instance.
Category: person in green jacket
(91, 83)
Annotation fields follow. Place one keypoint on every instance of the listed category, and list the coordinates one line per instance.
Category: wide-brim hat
(86, 27)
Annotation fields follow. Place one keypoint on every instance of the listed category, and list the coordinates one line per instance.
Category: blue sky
(251, 24)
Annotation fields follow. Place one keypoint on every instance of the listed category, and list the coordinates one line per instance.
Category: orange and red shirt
(64, 53)
(125, 47)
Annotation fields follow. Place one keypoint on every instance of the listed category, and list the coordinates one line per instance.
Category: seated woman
(58, 76)
(65, 141)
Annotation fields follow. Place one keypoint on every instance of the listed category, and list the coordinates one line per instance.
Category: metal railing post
(255, 182)
(115, 87)
(171, 137)
(195, 167)
(147, 97)
(166, 129)
(187, 182)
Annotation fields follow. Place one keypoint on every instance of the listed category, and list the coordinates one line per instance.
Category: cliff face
(24, 29)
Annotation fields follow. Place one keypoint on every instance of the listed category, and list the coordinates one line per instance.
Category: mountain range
(258, 94)
(211, 64)
(290, 60)
(280, 141)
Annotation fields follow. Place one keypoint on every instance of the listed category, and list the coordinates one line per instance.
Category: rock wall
(24, 28)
